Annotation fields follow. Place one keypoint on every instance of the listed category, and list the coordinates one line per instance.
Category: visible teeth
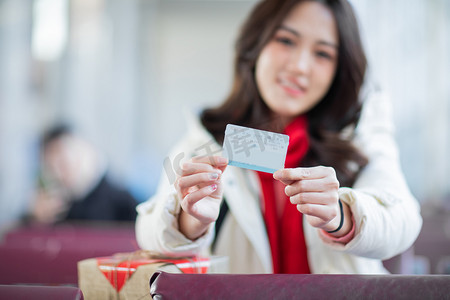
(289, 84)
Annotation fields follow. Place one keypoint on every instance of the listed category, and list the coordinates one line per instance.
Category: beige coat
(387, 216)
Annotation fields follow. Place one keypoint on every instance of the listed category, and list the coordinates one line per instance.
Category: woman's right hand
(200, 189)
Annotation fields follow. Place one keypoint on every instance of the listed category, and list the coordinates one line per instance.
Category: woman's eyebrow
(297, 34)
(291, 30)
(329, 44)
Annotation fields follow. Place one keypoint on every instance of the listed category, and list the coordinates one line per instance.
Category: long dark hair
(339, 109)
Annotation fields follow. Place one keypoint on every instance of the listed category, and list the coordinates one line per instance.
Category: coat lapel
(242, 196)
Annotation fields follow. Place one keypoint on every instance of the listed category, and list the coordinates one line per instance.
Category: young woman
(340, 205)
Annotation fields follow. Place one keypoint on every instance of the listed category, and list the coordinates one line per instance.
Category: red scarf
(283, 221)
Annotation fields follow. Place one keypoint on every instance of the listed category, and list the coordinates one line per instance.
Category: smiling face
(295, 69)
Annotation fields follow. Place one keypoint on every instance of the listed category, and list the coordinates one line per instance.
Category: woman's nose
(300, 62)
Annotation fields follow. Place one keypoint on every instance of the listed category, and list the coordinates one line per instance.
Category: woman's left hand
(315, 192)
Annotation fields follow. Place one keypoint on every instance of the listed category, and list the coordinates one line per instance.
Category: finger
(215, 161)
(319, 223)
(315, 198)
(312, 185)
(189, 168)
(294, 174)
(189, 184)
(222, 168)
(285, 182)
(197, 179)
(190, 199)
(324, 212)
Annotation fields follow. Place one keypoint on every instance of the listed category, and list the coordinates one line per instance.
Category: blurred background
(122, 72)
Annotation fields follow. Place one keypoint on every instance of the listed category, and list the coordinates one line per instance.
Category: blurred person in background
(73, 183)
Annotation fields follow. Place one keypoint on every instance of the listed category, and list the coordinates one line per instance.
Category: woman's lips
(292, 88)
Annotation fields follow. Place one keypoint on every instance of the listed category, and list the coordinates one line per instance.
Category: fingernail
(221, 160)
(306, 173)
(213, 175)
(213, 187)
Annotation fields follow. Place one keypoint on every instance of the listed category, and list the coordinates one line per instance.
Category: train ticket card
(255, 149)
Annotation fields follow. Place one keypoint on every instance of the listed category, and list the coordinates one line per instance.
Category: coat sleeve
(157, 220)
(387, 215)
(157, 228)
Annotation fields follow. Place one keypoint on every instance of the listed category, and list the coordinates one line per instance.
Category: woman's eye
(323, 54)
(285, 41)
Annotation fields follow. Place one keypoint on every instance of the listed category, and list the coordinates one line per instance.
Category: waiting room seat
(49, 255)
(285, 286)
(26, 292)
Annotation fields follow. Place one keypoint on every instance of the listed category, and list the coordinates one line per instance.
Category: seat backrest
(49, 255)
(37, 292)
(301, 286)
